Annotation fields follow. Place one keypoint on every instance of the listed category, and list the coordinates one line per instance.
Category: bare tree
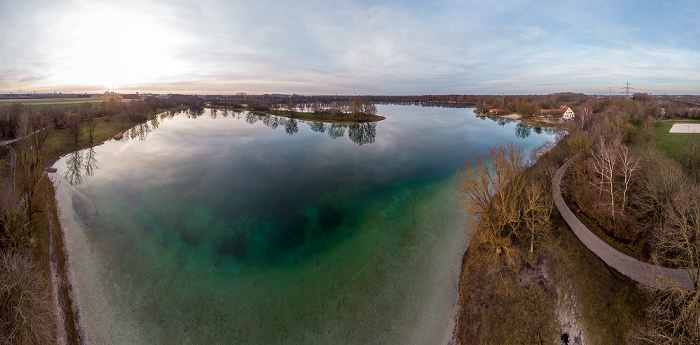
(336, 109)
(489, 187)
(15, 233)
(42, 132)
(317, 109)
(368, 109)
(29, 168)
(648, 127)
(26, 316)
(89, 114)
(291, 107)
(584, 114)
(604, 166)
(355, 108)
(536, 211)
(674, 315)
(657, 188)
(692, 153)
(628, 166)
(73, 126)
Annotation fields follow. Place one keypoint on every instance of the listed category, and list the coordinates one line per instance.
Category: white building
(568, 113)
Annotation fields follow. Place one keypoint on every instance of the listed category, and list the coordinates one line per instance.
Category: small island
(354, 111)
(325, 117)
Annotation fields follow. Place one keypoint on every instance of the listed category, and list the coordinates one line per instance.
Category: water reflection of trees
(140, 131)
(318, 127)
(291, 126)
(361, 134)
(79, 162)
(336, 130)
(194, 113)
(522, 129)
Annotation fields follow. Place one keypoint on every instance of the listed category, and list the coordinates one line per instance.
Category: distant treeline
(527, 105)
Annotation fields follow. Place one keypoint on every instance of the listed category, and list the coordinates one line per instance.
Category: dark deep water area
(235, 227)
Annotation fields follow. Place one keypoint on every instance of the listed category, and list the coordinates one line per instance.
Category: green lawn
(40, 103)
(672, 144)
(61, 142)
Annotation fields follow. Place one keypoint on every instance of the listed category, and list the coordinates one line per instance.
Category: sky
(350, 47)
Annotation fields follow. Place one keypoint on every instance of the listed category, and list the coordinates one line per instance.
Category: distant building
(568, 113)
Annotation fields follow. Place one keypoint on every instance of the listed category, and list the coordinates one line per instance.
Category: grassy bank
(40, 103)
(61, 142)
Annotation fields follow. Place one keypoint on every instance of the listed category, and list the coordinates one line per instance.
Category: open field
(39, 103)
(672, 144)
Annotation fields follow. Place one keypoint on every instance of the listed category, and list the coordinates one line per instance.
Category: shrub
(25, 316)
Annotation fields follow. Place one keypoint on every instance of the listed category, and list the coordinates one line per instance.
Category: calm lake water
(237, 228)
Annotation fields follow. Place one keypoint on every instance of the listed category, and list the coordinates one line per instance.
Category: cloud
(362, 47)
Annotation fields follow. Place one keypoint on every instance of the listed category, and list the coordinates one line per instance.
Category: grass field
(39, 103)
(672, 144)
(61, 143)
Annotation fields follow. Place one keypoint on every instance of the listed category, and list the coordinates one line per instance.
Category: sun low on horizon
(110, 46)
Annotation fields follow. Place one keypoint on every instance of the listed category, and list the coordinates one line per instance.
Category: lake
(242, 228)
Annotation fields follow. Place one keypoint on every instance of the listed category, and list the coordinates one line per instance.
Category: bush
(25, 316)
(14, 229)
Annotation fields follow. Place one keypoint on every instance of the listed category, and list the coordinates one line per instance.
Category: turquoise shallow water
(243, 228)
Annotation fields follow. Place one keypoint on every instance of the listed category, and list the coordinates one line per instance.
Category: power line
(627, 89)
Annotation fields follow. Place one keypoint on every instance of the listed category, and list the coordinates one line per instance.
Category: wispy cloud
(361, 47)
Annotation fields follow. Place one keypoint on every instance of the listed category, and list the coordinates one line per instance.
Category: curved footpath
(642, 272)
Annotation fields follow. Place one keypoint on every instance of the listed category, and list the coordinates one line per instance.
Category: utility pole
(627, 89)
(610, 91)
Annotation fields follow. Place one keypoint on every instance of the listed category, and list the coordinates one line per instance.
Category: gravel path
(642, 272)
